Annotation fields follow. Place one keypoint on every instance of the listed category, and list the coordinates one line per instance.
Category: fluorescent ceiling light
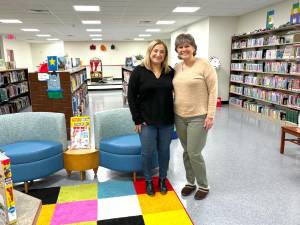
(152, 30)
(52, 39)
(138, 39)
(165, 22)
(10, 21)
(43, 35)
(96, 39)
(30, 29)
(86, 8)
(93, 30)
(95, 35)
(145, 35)
(186, 9)
(90, 21)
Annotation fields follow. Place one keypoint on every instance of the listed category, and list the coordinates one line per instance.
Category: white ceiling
(120, 18)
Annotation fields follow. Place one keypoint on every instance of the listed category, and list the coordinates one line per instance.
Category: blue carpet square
(112, 188)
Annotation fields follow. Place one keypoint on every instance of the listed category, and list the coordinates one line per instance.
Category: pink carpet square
(74, 212)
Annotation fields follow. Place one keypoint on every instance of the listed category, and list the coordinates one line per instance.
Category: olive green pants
(192, 136)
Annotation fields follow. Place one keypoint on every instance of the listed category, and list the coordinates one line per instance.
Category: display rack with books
(14, 90)
(73, 84)
(126, 72)
(265, 73)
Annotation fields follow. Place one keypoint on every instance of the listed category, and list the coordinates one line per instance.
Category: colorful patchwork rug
(114, 202)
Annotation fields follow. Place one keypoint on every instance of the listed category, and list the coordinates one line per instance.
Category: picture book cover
(80, 132)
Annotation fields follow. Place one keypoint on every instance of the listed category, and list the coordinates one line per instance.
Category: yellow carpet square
(46, 214)
(168, 218)
(78, 193)
(159, 203)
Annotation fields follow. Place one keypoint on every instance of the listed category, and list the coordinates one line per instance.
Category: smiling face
(185, 51)
(158, 54)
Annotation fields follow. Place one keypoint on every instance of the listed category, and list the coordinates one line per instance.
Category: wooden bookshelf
(126, 72)
(74, 86)
(14, 90)
(271, 61)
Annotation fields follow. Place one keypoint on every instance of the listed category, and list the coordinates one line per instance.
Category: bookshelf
(126, 72)
(74, 86)
(265, 73)
(14, 90)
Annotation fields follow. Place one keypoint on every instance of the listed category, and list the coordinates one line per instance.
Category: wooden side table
(290, 130)
(81, 160)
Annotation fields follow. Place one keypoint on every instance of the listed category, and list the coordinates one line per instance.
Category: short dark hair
(185, 39)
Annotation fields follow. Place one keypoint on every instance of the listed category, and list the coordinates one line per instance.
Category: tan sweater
(196, 89)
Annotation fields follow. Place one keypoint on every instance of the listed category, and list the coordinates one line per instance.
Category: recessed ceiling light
(30, 29)
(93, 30)
(186, 9)
(90, 21)
(52, 39)
(43, 35)
(86, 8)
(95, 35)
(96, 39)
(139, 39)
(10, 21)
(152, 30)
(165, 22)
(145, 35)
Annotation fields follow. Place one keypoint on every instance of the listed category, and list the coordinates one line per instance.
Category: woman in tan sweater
(195, 87)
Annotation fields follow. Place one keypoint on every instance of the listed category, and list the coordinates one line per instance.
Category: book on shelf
(2, 64)
(288, 52)
(80, 132)
(8, 214)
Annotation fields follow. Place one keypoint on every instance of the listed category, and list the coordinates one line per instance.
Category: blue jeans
(156, 138)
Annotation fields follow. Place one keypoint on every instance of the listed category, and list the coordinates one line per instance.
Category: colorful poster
(270, 19)
(54, 88)
(295, 12)
(7, 201)
(52, 63)
(80, 132)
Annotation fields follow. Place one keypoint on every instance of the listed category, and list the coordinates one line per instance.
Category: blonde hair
(147, 60)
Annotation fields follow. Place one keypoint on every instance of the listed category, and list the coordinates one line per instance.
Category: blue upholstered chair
(119, 145)
(34, 142)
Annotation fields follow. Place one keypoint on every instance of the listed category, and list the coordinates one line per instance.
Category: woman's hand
(208, 123)
(138, 128)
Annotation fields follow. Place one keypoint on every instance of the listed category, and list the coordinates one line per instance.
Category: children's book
(80, 132)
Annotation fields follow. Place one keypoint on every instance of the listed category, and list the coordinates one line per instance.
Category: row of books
(15, 105)
(277, 67)
(262, 41)
(236, 89)
(78, 79)
(13, 90)
(11, 77)
(291, 100)
(266, 110)
(287, 83)
(79, 101)
(257, 67)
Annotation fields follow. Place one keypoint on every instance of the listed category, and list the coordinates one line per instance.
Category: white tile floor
(251, 182)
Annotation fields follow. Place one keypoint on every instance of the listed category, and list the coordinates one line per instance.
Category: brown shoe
(188, 189)
(201, 193)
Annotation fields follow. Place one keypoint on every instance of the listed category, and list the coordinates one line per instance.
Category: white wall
(109, 57)
(200, 32)
(40, 51)
(22, 53)
(257, 19)
(220, 32)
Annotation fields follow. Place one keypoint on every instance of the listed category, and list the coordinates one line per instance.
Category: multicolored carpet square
(113, 202)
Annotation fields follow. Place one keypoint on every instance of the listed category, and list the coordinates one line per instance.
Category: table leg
(69, 172)
(282, 141)
(95, 171)
(82, 175)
